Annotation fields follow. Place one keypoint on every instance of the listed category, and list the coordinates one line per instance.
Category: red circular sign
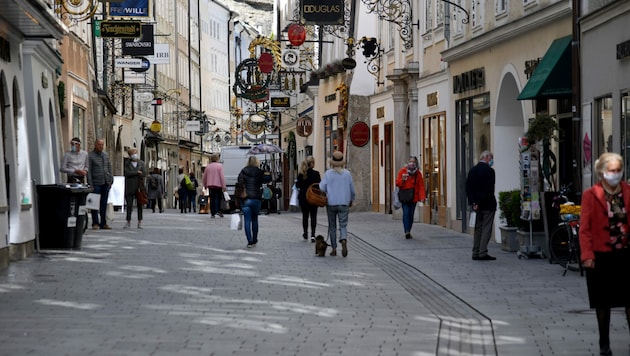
(304, 127)
(265, 62)
(297, 34)
(360, 134)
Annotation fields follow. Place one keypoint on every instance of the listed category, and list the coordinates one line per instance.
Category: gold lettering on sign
(380, 112)
(432, 99)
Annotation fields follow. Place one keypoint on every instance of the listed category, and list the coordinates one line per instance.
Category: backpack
(267, 193)
(187, 183)
(153, 182)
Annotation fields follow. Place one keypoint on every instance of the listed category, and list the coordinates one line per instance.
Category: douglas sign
(322, 12)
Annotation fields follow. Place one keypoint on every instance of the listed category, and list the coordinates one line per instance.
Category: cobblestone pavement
(187, 285)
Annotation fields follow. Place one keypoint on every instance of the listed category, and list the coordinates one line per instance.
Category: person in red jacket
(410, 177)
(604, 228)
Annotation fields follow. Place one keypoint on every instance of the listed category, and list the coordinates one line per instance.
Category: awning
(552, 77)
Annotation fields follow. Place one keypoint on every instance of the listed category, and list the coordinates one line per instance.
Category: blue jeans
(337, 212)
(251, 209)
(103, 190)
(408, 210)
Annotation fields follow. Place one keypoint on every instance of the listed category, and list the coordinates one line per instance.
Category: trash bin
(62, 215)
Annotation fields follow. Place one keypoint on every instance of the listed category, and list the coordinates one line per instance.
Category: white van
(234, 158)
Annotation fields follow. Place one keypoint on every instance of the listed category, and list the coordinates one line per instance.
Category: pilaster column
(401, 119)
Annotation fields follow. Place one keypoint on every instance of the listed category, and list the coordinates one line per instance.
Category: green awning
(552, 77)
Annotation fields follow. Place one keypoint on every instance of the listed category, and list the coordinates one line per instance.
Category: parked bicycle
(564, 244)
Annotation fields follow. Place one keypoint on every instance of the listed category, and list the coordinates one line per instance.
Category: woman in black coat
(252, 177)
(306, 177)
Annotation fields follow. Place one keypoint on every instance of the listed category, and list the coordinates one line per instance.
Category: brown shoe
(344, 248)
(95, 227)
(106, 227)
(333, 252)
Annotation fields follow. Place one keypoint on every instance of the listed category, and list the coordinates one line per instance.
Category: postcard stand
(530, 195)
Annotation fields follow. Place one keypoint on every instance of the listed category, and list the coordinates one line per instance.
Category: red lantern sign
(297, 34)
(265, 62)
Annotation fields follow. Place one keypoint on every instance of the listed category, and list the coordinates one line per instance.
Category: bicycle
(564, 244)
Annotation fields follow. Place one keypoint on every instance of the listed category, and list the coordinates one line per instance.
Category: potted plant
(510, 213)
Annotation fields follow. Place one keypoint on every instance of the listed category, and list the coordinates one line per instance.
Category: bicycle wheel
(562, 249)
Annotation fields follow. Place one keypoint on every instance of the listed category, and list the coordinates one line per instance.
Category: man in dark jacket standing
(480, 193)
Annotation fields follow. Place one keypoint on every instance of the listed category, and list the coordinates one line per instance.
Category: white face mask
(134, 157)
(612, 178)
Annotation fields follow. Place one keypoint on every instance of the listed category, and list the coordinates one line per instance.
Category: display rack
(530, 195)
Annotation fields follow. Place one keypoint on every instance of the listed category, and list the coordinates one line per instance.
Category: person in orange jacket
(604, 243)
(411, 191)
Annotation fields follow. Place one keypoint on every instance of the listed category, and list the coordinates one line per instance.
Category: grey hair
(486, 154)
(604, 159)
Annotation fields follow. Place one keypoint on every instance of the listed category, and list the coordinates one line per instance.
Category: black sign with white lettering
(142, 46)
(322, 12)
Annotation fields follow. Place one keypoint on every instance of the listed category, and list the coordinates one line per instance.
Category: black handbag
(406, 195)
(202, 200)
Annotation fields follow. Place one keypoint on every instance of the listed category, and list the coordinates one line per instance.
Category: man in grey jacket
(100, 178)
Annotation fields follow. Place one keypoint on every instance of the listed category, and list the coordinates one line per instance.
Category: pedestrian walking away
(605, 255)
(411, 191)
(339, 188)
(480, 192)
(155, 189)
(214, 180)
(252, 177)
(101, 179)
(192, 193)
(182, 191)
(75, 163)
(135, 172)
(305, 179)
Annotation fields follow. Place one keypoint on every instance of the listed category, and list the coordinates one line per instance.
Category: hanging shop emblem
(304, 126)
(254, 128)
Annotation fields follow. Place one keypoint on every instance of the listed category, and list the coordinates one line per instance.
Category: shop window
(603, 116)
(78, 121)
(332, 135)
(434, 158)
(473, 137)
(625, 132)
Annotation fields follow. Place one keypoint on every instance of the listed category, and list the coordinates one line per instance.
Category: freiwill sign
(322, 12)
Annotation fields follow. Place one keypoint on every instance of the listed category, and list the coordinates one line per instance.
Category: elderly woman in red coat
(604, 227)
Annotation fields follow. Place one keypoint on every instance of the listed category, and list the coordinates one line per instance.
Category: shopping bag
(226, 196)
(235, 221)
(294, 197)
(109, 214)
(472, 219)
(396, 204)
(93, 201)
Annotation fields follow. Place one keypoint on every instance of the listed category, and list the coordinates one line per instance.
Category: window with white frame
(428, 16)
(500, 6)
(477, 13)
(439, 14)
(458, 15)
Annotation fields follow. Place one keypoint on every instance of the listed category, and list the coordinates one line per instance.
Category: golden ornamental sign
(254, 128)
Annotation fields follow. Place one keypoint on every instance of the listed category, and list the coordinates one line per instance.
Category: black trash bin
(61, 215)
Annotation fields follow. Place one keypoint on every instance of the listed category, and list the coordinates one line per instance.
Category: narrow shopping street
(186, 284)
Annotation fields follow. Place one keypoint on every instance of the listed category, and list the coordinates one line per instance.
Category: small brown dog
(320, 246)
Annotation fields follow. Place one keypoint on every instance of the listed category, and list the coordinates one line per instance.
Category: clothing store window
(332, 136)
(473, 137)
(625, 132)
(78, 121)
(434, 161)
(603, 117)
